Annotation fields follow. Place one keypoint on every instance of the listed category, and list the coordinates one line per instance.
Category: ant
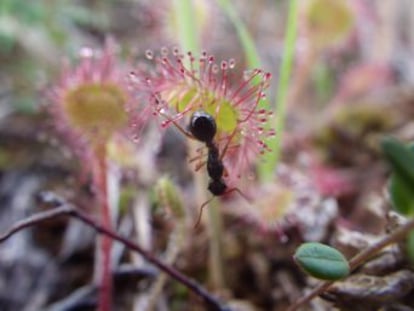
(203, 128)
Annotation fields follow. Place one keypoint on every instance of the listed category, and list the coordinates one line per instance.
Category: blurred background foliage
(35, 36)
(351, 82)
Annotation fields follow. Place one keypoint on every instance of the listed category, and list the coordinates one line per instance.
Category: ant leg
(199, 155)
(227, 145)
(178, 126)
(239, 192)
(201, 211)
(198, 158)
(226, 172)
(209, 200)
(200, 165)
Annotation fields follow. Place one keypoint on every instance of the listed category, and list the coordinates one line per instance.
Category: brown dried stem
(69, 210)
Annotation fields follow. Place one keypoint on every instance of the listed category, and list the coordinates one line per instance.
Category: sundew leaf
(322, 261)
(227, 117)
(184, 101)
(328, 21)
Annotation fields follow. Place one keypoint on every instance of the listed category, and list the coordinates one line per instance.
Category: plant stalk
(103, 271)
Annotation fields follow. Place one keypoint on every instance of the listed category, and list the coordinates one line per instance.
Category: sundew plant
(177, 91)
(206, 155)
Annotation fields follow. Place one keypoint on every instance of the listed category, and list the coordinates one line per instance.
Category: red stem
(105, 243)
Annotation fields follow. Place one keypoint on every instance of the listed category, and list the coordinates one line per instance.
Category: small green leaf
(401, 186)
(322, 261)
(169, 196)
(401, 159)
(410, 246)
(402, 195)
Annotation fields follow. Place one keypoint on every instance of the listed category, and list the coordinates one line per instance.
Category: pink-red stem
(105, 242)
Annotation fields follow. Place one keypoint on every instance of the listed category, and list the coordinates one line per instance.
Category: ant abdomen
(215, 166)
(217, 187)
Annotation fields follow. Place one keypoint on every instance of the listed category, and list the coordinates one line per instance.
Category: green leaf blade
(401, 185)
(410, 246)
(322, 261)
(402, 195)
(400, 157)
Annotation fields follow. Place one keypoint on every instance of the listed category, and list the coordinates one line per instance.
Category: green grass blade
(250, 51)
(267, 167)
(184, 16)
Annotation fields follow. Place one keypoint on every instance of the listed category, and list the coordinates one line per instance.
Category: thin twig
(36, 219)
(75, 300)
(358, 260)
(69, 210)
(189, 283)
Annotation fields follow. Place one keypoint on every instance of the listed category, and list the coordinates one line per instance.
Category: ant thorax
(203, 126)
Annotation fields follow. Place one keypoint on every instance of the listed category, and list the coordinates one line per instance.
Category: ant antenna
(248, 200)
(177, 126)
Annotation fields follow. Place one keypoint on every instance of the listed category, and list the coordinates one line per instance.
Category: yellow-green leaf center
(96, 109)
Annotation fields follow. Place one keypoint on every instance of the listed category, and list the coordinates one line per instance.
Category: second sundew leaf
(96, 109)
(328, 21)
(322, 261)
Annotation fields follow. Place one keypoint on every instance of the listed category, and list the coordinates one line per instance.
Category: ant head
(203, 126)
